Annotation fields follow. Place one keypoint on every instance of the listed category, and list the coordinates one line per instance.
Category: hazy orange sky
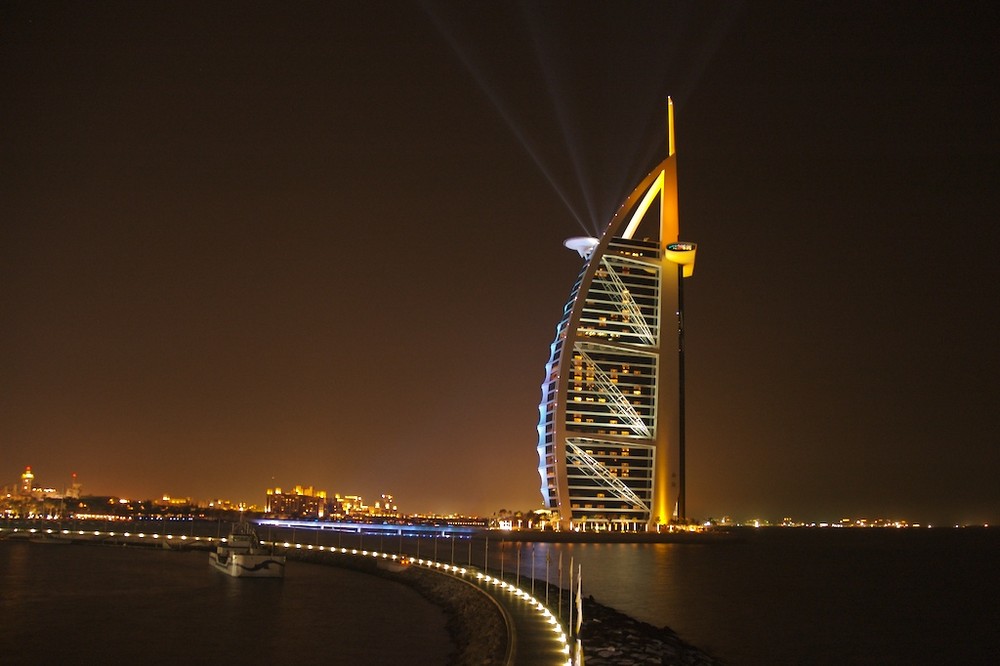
(257, 244)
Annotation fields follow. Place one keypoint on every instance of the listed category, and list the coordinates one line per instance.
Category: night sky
(256, 244)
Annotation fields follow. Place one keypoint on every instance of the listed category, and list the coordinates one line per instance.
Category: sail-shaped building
(610, 431)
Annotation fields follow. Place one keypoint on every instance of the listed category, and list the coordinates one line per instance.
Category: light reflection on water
(806, 596)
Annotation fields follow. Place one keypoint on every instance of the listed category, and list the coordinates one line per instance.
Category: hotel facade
(610, 430)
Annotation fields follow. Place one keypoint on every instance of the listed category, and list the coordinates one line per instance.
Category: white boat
(243, 555)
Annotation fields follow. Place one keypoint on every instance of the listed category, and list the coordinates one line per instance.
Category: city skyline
(251, 243)
(354, 507)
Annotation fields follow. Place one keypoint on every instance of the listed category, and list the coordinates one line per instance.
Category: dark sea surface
(91, 604)
(808, 596)
(771, 596)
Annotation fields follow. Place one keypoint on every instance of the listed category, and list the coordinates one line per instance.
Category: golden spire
(670, 126)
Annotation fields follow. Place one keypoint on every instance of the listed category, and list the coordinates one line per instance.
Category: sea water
(805, 596)
(92, 604)
(770, 596)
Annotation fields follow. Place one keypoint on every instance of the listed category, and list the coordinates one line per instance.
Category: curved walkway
(535, 636)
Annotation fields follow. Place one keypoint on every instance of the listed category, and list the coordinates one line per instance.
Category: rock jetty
(611, 638)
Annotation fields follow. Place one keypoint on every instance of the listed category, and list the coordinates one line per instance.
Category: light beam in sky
(505, 114)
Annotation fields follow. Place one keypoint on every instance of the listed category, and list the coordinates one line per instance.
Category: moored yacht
(242, 554)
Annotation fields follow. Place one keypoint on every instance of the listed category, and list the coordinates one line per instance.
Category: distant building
(385, 506)
(74, 489)
(348, 505)
(175, 502)
(300, 503)
(27, 482)
(307, 502)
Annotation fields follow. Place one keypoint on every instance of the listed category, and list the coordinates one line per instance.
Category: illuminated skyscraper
(27, 482)
(610, 431)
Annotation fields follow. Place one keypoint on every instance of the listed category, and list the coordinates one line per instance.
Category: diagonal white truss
(595, 471)
(616, 398)
(635, 319)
